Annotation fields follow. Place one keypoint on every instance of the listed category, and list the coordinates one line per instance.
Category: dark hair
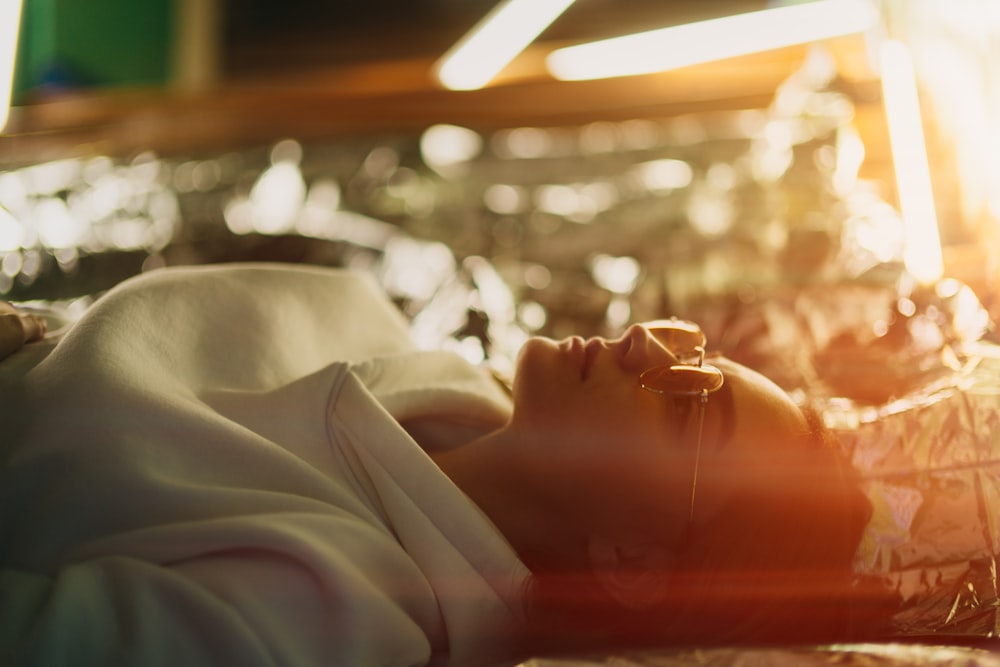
(785, 572)
(772, 568)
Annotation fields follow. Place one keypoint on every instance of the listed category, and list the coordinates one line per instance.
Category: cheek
(613, 459)
(602, 447)
(579, 422)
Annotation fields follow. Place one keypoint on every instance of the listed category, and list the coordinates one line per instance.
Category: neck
(490, 471)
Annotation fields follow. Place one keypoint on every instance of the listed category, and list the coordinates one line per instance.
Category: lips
(574, 347)
(590, 349)
(584, 353)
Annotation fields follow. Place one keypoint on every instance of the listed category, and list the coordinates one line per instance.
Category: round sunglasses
(687, 381)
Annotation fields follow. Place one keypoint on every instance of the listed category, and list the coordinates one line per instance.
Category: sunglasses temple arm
(702, 400)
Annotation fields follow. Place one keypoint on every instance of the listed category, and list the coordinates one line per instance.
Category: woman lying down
(253, 465)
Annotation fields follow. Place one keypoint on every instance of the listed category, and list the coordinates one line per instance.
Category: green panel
(116, 41)
(75, 43)
(36, 43)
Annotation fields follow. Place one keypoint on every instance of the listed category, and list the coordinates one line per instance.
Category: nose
(642, 349)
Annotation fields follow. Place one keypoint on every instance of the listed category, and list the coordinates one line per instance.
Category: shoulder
(258, 281)
(276, 304)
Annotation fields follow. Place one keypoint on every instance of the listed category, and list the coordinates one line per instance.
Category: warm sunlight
(922, 250)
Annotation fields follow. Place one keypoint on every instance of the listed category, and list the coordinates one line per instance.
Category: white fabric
(209, 469)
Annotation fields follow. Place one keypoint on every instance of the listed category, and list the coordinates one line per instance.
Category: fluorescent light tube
(495, 41)
(714, 39)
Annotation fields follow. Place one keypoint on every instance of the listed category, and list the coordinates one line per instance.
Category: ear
(632, 573)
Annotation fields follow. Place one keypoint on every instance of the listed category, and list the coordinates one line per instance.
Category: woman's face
(609, 455)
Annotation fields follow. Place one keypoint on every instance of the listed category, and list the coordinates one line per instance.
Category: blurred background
(834, 150)
(816, 183)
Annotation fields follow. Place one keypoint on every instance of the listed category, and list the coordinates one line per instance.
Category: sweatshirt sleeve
(115, 611)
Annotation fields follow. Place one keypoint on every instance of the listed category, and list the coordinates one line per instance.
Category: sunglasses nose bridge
(694, 356)
(685, 340)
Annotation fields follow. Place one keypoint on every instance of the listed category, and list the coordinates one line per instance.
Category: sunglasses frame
(685, 379)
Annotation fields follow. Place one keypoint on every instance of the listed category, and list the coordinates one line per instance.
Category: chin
(536, 351)
(535, 366)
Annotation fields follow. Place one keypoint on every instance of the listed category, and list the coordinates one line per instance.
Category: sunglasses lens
(681, 379)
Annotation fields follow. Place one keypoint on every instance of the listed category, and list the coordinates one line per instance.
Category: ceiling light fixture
(495, 41)
(714, 39)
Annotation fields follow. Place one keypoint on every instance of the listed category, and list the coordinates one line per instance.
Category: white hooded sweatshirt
(209, 468)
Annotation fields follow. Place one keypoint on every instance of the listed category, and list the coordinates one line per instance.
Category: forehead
(759, 403)
(759, 439)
